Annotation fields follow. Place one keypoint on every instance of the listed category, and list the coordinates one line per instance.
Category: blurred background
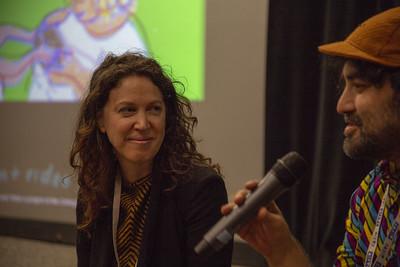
(251, 69)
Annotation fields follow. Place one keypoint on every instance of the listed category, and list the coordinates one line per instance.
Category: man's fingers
(227, 208)
(251, 185)
(240, 196)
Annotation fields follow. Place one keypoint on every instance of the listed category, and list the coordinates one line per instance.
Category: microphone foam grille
(290, 168)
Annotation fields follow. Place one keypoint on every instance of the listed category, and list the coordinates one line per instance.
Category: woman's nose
(141, 122)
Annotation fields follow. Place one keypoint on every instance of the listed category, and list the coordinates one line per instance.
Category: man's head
(370, 100)
(371, 108)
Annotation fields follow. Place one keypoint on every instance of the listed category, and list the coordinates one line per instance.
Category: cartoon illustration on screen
(67, 46)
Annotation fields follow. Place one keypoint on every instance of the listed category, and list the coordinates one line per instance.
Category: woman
(146, 195)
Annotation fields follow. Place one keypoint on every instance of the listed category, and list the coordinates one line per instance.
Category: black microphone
(286, 172)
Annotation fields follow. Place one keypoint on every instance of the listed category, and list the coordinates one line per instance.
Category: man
(370, 105)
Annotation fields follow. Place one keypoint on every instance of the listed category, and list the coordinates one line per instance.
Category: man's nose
(345, 103)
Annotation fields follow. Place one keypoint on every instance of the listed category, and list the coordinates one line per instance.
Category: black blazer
(176, 221)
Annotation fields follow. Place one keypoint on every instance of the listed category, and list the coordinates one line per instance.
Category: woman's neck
(131, 173)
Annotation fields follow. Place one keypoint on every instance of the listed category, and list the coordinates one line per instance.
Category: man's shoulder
(375, 175)
(370, 182)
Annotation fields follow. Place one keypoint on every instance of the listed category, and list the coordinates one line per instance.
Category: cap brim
(346, 50)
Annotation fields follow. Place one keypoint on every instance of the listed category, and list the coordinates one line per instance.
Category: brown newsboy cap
(376, 40)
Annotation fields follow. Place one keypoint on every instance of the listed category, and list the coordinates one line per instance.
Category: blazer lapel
(151, 222)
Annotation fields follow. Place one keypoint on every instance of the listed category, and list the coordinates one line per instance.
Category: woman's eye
(126, 110)
(156, 109)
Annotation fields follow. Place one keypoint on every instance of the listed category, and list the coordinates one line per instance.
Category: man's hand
(268, 233)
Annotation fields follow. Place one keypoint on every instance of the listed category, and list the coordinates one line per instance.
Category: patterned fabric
(133, 210)
(360, 223)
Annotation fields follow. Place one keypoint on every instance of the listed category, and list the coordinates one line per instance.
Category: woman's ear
(100, 123)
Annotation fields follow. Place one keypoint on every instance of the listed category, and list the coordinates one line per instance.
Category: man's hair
(92, 156)
(377, 74)
(371, 72)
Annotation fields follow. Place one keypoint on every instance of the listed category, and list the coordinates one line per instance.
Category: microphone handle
(268, 189)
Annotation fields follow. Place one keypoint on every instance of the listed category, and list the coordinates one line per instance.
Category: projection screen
(217, 48)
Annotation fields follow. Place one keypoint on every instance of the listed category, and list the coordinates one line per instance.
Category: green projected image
(49, 48)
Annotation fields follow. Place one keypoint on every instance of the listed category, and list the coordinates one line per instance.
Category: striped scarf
(134, 206)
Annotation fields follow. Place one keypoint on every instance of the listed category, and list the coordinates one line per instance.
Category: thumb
(273, 208)
(270, 213)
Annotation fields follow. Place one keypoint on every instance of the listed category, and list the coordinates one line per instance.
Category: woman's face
(134, 121)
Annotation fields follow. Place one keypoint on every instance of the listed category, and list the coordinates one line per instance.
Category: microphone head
(290, 168)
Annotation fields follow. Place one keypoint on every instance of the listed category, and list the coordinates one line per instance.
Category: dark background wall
(301, 115)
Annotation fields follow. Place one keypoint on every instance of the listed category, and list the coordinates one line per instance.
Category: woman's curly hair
(92, 156)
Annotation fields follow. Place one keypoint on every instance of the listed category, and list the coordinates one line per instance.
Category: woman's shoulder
(203, 187)
(201, 180)
(201, 174)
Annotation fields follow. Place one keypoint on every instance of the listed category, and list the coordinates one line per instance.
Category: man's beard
(374, 144)
(368, 146)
